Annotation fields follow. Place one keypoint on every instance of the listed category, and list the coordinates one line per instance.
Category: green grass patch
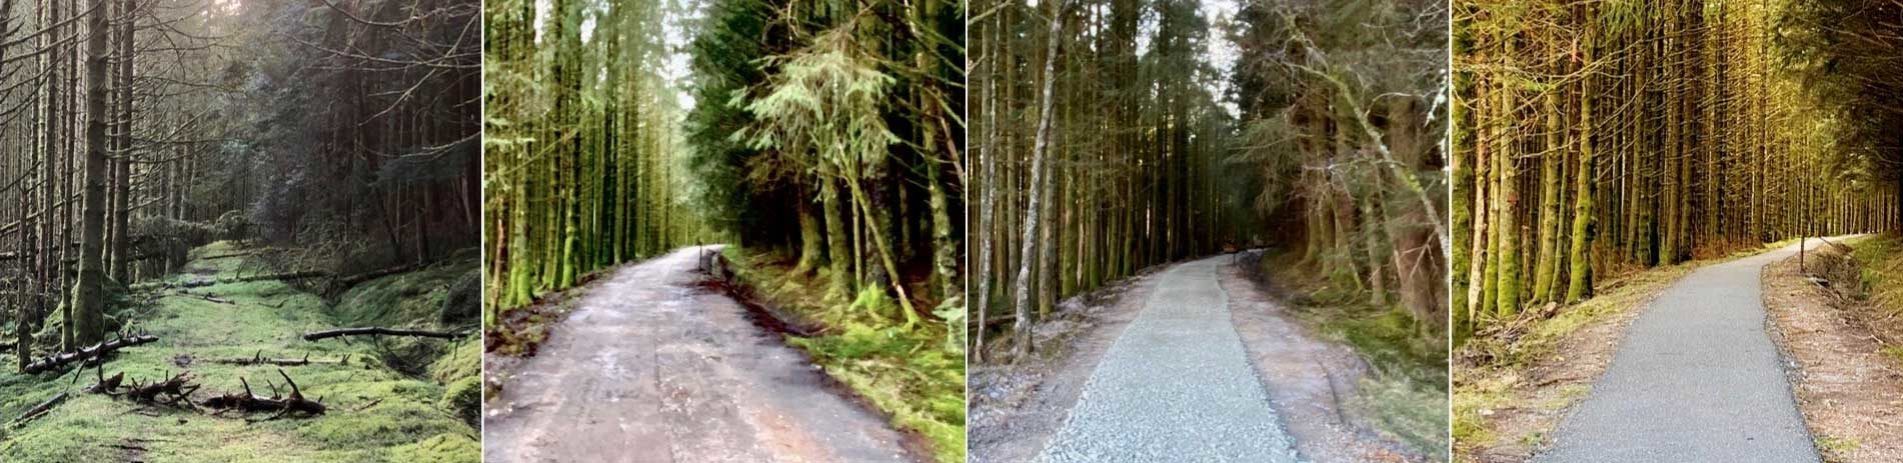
(1471, 404)
(1836, 449)
(916, 376)
(376, 413)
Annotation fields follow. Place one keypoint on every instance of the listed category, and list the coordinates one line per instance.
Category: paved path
(1175, 386)
(1697, 379)
(650, 368)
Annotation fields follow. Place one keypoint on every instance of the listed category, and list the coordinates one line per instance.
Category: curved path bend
(652, 368)
(1176, 385)
(1697, 379)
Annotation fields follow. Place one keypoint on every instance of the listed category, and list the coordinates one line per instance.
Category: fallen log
(380, 331)
(173, 391)
(198, 283)
(354, 280)
(279, 276)
(230, 255)
(56, 361)
(260, 359)
(40, 409)
(106, 385)
(212, 298)
(251, 402)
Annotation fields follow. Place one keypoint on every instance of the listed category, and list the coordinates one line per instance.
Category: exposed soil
(523, 329)
(1850, 392)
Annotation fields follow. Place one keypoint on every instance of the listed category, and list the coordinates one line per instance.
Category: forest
(1116, 136)
(1600, 138)
(820, 141)
(191, 185)
(1187, 157)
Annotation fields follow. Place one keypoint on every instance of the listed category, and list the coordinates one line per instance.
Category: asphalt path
(1697, 379)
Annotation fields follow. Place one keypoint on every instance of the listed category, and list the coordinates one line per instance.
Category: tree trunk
(88, 298)
(1041, 147)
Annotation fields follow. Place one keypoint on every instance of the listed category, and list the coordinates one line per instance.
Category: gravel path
(1176, 386)
(1697, 379)
(651, 368)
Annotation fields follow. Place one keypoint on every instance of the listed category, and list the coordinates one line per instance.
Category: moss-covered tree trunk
(1579, 277)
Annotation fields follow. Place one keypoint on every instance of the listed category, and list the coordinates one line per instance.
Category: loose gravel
(1176, 386)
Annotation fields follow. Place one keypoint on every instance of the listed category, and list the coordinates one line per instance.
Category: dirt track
(652, 368)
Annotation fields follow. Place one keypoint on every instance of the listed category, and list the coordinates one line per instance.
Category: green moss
(374, 410)
(465, 398)
(1470, 410)
(442, 448)
(405, 298)
(464, 360)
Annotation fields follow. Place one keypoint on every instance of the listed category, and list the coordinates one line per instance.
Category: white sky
(678, 20)
(1222, 53)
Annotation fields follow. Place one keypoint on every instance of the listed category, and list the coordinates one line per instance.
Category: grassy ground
(1405, 397)
(376, 412)
(1518, 376)
(915, 376)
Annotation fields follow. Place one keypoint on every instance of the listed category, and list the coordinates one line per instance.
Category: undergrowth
(376, 412)
(910, 374)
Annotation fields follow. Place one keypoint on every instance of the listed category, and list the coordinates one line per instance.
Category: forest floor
(654, 364)
(1518, 381)
(1840, 322)
(1180, 332)
(376, 412)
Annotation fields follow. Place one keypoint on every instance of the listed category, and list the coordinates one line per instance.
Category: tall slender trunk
(122, 170)
(1039, 149)
(1579, 281)
(88, 299)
